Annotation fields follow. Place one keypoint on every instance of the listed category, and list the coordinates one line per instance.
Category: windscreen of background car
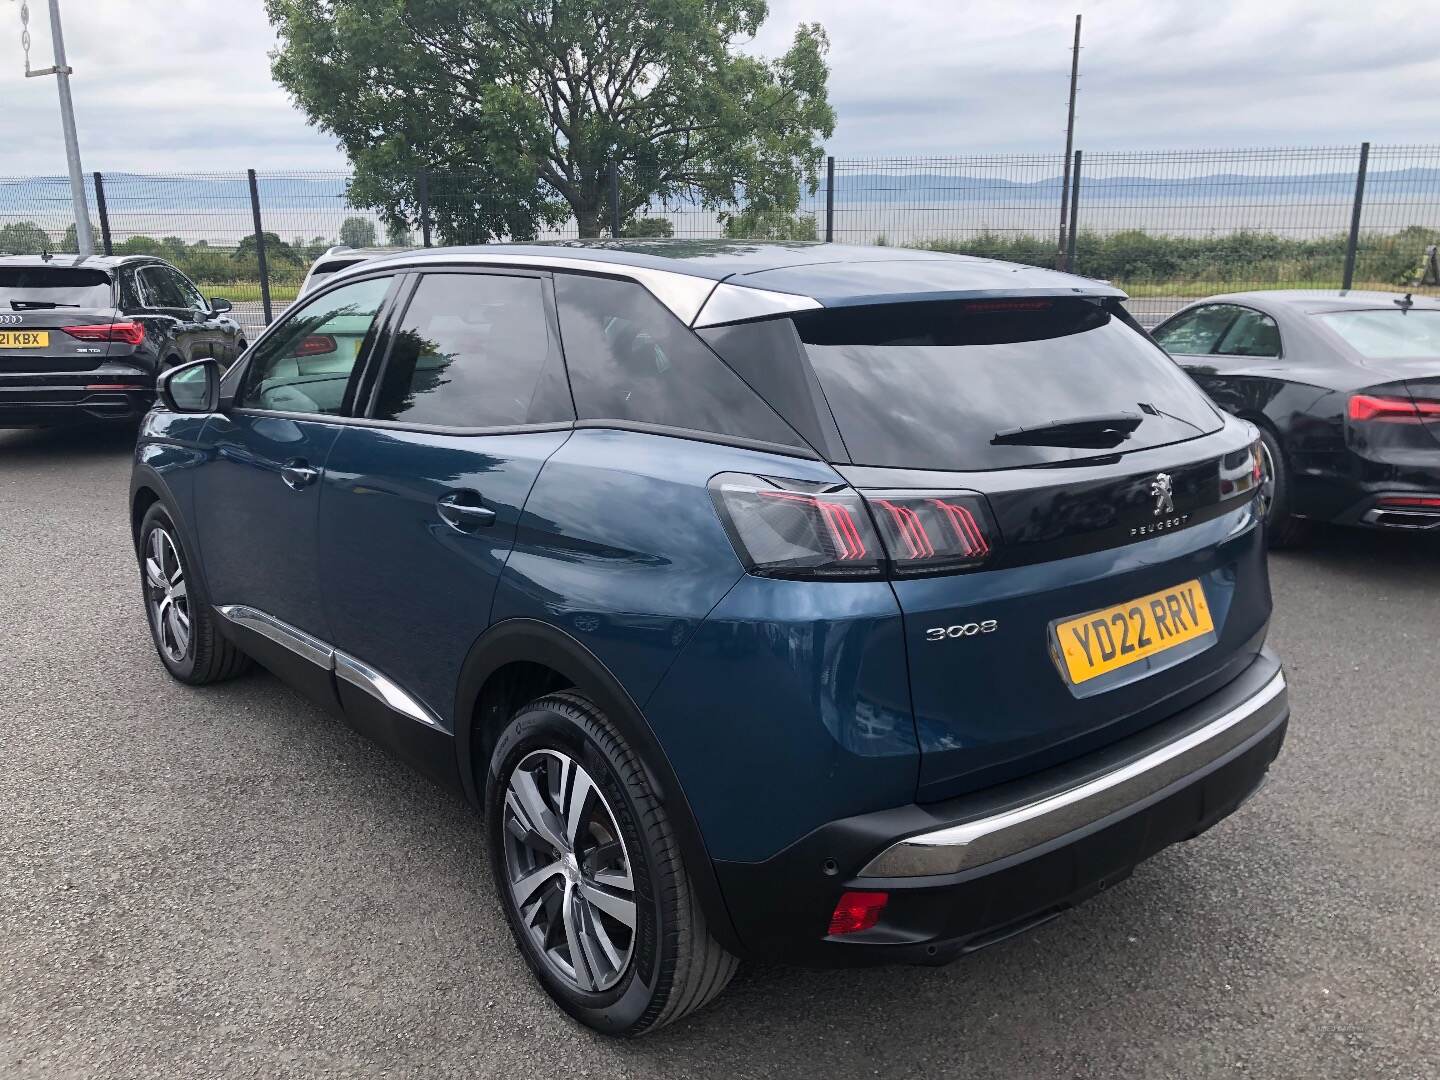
(43, 288)
(1401, 335)
(928, 385)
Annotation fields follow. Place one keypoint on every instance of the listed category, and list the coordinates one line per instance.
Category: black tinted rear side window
(630, 359)
(474, 351)
(929, 385)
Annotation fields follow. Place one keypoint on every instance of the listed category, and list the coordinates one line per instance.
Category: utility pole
(62, 72)
(1069, 148)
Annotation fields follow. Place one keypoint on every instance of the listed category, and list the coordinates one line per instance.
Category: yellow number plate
(24, 339)
(1094, 644)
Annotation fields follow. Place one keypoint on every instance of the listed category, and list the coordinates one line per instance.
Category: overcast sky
(185, 85)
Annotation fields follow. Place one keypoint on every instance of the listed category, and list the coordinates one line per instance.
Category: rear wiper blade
(36, 305)
(1084, 431)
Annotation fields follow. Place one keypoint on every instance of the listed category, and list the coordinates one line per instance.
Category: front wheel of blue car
(590, 874)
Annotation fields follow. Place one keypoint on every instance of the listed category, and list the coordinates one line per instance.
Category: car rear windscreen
(40, 288)
(1389, 334)
(929, 385)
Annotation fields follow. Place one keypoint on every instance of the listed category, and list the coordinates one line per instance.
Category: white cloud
(185, 85)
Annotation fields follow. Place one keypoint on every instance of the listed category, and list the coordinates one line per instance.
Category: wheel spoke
(154, 576)
(575, 806)
(618, 908)
(524, 889)
(540, 819)
(589, 943)
(570, 913)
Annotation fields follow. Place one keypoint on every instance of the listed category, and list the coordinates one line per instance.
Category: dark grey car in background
(83, 338)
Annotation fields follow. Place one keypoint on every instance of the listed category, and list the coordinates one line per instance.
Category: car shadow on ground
(68, 443)
(1384, 556)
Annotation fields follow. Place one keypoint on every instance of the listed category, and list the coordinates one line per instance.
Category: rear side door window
(1251, 334)
(474, 351)
(304, 365)
(1198, 331)
(631, 360)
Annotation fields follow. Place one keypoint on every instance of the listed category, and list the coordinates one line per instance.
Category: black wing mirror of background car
(191, 388)
(219, 305)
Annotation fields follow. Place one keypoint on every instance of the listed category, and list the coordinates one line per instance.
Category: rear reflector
(1368, 407)
(110, 386)
(130, 333)
(1417, 502)
(857, 911)
(315, 345)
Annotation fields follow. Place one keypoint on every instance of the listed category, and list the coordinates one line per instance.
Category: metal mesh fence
(1167, 226)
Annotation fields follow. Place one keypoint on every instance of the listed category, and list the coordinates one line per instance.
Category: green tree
(357, 232)
(519, 107)
(755, 223)
(397, 233)
(24, 238)
(648, 226)
(276, 250)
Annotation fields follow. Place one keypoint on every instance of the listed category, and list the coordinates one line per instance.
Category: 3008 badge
(961, 630)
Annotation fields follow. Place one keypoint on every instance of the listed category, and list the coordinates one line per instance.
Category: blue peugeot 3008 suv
(835, 604)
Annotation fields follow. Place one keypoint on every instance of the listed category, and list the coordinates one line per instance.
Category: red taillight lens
(930, 532)
(794, 529)
(857, 911)
(1418, 502)
(131, 333)
(1242, 471)
(1368, 407)
(315, 345)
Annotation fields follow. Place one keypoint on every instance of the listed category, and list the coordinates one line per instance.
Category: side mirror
(219, 305)
(191, 388)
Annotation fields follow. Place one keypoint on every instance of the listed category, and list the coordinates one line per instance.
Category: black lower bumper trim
(781, 907)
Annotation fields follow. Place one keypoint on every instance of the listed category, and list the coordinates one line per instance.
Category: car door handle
(463, 511)
(298, 474)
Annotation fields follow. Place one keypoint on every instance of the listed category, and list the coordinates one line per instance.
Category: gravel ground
(227, 882)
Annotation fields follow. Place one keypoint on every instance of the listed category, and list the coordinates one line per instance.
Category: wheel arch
(541, 658)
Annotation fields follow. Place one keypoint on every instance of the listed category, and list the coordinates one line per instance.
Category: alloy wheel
(166, 595)
(1267, 481)
(569, 871)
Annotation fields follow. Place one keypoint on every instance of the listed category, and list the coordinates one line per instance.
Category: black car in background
(1345, 389)
(83, 338)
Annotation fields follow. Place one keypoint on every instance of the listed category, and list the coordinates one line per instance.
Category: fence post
(422, 193)
(829, 200)
(614, 182)
(1354, 240)
(1074, 215)
(260, 247)
(105, 244)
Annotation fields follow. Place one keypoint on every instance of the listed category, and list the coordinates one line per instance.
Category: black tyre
(182, 625)
(590, 875)
(1282, 528)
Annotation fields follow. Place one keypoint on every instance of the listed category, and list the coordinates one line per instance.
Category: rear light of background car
(315, 345)
(857, 911)
(1411, 502)
(789, 528)
(131, 333)
(930, 532)
(1395, 410)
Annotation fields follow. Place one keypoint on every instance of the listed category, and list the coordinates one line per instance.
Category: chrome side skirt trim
(382, 689)
(282, 633)
(973, 843)
(323, 655)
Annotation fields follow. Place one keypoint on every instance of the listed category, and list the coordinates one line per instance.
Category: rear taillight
(1242, 471)
(315, 345)
(131, 333)
(789, 528)
(931, 532)
(856, 911)
(1395, 410)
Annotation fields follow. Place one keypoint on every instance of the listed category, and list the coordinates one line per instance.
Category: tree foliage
(755, 223)
(357, 232)
(524, 104)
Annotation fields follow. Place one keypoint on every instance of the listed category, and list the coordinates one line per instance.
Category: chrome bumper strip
(974, 843)
(326, 656)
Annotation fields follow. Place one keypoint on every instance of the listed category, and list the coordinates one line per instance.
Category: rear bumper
(1017, 855)
(98, 397)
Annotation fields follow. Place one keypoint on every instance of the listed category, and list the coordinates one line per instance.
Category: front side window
(1197, 332)
(474, 351)
(189, 295)
(1251, 334)
(630, 359)
(304, 364)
